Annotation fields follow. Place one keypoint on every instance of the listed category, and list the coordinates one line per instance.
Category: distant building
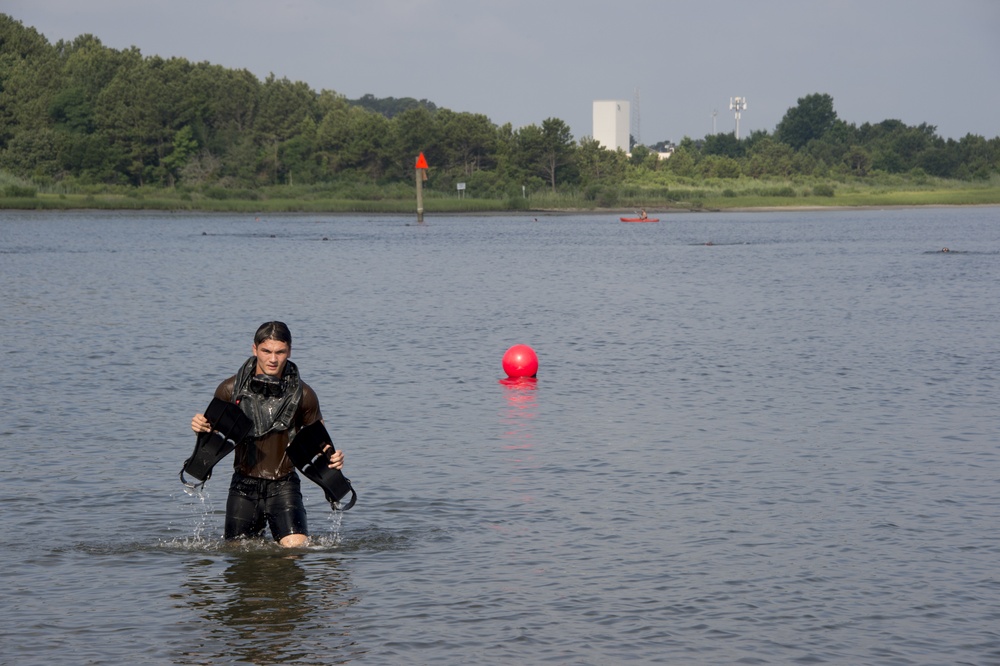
(611, 124)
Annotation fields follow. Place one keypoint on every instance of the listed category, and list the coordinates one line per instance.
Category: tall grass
(662, 193)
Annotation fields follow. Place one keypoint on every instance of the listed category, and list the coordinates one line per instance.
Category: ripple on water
(777, 449)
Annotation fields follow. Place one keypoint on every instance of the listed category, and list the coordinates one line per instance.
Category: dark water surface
(779, 448)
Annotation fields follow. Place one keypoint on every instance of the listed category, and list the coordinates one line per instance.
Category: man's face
(271, 357)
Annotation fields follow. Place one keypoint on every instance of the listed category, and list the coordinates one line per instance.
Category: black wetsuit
(265, 489)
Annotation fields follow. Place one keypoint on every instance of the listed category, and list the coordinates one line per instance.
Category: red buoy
(520, 361)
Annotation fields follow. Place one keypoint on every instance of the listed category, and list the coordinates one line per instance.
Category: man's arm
(224, 391)
(310, 414)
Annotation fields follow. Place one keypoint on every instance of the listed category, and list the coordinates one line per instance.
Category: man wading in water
(265, 486)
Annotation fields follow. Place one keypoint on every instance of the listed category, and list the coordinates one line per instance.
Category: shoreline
(746, 209)
(523, 212)
(772, 209)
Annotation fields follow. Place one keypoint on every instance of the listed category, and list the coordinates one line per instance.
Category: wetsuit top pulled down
(279, 409)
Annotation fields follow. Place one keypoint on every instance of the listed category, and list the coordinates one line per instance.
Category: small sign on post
(421, 176)
(461, 190)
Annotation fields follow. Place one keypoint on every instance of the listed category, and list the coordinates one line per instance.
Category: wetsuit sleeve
(225, 389)
(309, 407)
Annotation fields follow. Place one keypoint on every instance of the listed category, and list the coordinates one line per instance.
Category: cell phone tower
(737, 104)
(636, 119)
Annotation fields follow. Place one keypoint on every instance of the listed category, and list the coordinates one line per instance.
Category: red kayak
(639, 219)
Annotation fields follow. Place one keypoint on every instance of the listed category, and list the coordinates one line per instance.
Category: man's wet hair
(273, 330)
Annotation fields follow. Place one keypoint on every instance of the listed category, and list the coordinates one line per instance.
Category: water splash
(201, 510)
(333, 538)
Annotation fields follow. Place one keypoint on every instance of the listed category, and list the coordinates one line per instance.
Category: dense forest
(81, 114)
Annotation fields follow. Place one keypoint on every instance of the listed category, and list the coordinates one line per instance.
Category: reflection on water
(516, 422)
(266, 607)
(262, 594)
(521, 408)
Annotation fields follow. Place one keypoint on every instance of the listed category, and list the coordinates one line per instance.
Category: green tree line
(811, 140)
(80, 113)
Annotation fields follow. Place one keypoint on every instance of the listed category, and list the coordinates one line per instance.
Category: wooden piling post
(421, 172)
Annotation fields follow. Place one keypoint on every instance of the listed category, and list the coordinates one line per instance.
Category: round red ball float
(520, 361)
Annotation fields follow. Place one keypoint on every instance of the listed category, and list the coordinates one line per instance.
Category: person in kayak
(265, 488)
(642, 214)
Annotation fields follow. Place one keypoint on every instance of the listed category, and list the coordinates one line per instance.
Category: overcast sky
(522, 61)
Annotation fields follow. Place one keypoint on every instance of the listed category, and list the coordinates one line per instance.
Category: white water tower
(611, 123)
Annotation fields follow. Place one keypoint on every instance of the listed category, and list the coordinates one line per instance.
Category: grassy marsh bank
(681, 194)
